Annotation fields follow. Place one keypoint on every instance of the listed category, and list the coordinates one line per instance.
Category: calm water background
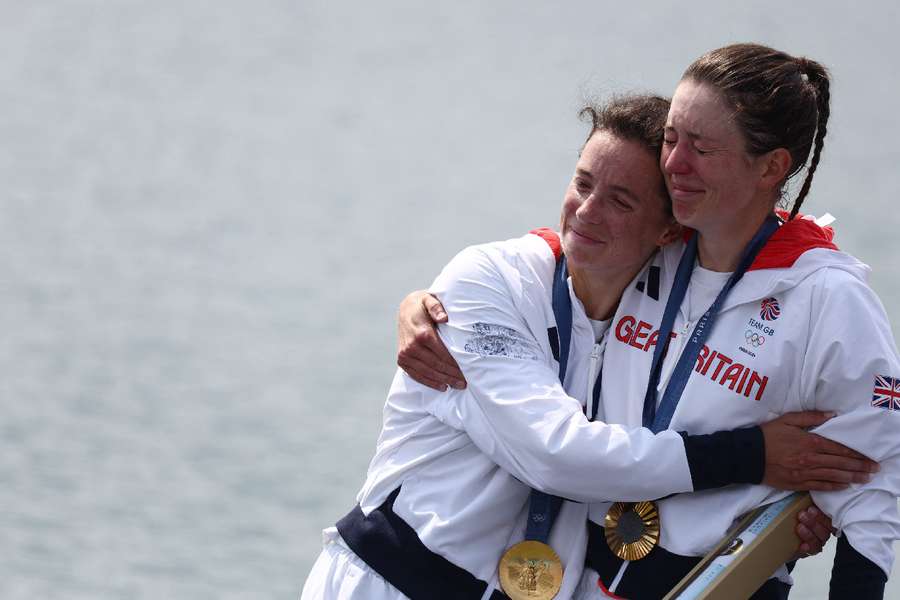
(210, 212)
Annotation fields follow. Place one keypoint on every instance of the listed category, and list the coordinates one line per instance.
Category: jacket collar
(799, 248)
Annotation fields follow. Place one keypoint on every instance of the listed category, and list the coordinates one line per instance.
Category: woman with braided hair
(757, 313)
(455, 477)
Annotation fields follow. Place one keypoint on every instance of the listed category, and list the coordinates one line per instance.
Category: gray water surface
(212, 209)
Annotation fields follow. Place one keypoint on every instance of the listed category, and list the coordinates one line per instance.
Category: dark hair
(638, 118)
(780, 101)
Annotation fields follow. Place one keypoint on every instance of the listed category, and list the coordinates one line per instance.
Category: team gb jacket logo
(769, 309)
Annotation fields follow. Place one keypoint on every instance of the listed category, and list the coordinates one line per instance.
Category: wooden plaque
(749, 555)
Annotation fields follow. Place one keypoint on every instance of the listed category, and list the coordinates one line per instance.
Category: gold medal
(530, 570)
(632, 529)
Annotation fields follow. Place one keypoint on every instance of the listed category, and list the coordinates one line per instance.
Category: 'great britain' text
(712, 364)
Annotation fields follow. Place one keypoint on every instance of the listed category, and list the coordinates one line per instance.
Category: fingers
(810, 418)
(814, 485)
(423, 373)
(427, 361)
(443, 361)
(435, 309)
(431, 365)
(822, 532)
(837, 475)
(814, 529)
(843, 463)
(821, 519)
(413, 302)
(816, 522)
(809, 543)
(421, 352)
(823, 445)
(798, 480)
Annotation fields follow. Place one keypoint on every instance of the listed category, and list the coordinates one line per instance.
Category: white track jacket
(802, 331)
(466, 459)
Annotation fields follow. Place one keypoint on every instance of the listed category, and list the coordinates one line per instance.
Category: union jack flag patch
(887, 393)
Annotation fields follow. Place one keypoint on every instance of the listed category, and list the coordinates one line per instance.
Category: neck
(599, 293)
(721, 250)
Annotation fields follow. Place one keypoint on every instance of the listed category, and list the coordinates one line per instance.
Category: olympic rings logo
(754, 339)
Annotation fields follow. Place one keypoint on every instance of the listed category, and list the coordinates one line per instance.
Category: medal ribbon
(542, 507)
(658, 419)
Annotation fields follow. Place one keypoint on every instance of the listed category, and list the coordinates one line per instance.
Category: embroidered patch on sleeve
(497, 340)
(886, 394)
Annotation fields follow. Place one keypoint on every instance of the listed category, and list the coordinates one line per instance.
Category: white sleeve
(517, 412)
(851, 354)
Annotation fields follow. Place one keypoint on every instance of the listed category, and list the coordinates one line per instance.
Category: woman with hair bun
(455, 477)
(760, 314)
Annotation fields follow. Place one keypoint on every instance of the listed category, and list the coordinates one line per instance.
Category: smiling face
(713, 181)
(614, 213)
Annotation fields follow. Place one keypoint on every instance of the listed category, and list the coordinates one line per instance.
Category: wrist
(725, 457)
